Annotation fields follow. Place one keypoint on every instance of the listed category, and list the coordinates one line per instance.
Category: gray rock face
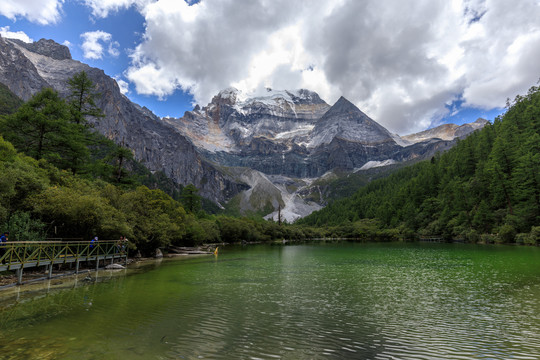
(17, 72)
(345, 121)
(153, 142)
(47, 48)
(285, 133)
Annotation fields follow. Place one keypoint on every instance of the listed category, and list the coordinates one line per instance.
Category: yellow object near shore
(216, 251)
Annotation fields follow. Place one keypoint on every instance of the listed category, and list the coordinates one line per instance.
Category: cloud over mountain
(404, 62)
(401, 61)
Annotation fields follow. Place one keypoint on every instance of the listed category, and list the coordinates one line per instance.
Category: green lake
(296, 301)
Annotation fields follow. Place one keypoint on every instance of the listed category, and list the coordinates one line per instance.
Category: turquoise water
(311, 301)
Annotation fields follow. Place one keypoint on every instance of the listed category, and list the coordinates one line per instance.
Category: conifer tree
(190, 198)
(82, 98)
(41, 128)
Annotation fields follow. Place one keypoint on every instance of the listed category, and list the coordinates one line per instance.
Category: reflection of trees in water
(41, 305)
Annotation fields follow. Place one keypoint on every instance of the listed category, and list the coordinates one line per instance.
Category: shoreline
(36, 282)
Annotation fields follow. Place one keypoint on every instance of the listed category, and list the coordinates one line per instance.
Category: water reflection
(376, 301)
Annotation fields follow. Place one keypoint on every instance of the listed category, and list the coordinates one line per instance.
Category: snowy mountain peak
(345, 121)
(267, 96)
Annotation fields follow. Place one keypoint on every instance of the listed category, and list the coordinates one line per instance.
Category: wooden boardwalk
(16, 255)
(438, 239)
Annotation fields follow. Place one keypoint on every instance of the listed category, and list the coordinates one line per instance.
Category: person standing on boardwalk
(121, 244)
(93, 242)
(3, 239)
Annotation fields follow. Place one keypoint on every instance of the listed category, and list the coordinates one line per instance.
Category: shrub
(507, 233)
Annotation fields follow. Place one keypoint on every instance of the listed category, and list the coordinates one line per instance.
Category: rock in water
(114, 267)
(159, 254)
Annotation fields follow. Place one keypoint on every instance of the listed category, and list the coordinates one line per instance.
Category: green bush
(488, 238)
(522, 238)
(533, 237)
(23, 227)
(507, 234)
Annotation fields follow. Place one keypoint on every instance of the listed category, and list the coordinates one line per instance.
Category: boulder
(114, 267)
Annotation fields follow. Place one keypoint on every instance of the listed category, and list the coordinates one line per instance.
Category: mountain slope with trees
(485, 188)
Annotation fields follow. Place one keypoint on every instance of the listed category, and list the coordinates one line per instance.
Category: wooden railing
(18, 255)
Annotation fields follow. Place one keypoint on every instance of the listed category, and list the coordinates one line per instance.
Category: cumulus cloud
(21, 35)
(102, 8)
(96, 43)
(122, 84)
(400, 61)
(43, 12)
(207, 46)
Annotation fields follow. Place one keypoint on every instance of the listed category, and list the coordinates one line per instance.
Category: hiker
(3, 240)
(93, 242)
(121, 244)
(124, 243)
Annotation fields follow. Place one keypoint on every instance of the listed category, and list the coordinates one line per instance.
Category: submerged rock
(114, 267)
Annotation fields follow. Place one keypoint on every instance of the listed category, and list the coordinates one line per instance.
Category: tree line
(485, 189)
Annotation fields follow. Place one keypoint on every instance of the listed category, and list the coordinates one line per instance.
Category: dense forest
(61, 179)
(485, 189)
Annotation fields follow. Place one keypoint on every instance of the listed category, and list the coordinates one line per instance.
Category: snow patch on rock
(374, 164)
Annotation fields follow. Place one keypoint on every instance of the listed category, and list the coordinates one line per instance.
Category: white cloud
(122, 84)
(102, 8)
(400, 61)
(93, 45)
(43, 12)
(5, 32)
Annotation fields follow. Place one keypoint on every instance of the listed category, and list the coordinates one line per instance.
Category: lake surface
(310, 301)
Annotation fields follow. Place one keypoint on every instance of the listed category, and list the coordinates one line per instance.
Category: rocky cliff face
(27, 68)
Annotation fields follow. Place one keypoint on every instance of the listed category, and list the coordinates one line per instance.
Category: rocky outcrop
(345, 121)
(47, 48)
(17, 72)
(155, 143)
(446, 132)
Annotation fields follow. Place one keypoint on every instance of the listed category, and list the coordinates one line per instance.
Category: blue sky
(409, 65)
(127, 29)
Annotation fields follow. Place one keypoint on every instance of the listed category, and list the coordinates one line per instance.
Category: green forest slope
(485, 188)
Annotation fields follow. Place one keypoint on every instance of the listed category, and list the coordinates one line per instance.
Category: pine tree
(40, 127)
(82, 98)
(82, 105)
(190, 198)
